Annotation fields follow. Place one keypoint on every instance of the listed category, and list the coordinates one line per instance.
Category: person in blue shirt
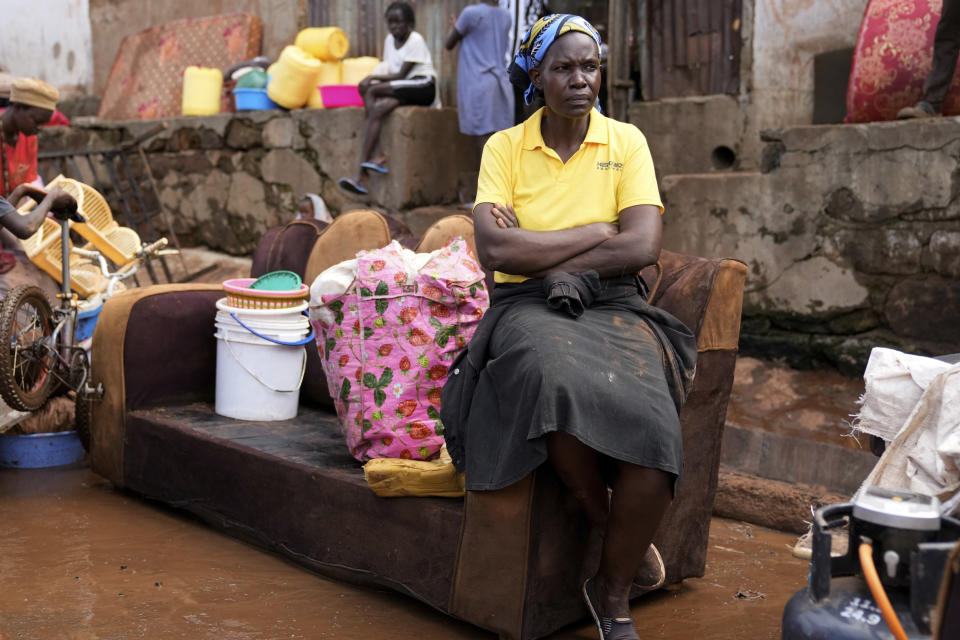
(484, 94)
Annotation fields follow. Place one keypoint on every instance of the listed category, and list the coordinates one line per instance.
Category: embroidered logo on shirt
(610, 164)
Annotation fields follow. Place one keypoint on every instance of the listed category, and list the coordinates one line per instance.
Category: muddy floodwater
(81, 560)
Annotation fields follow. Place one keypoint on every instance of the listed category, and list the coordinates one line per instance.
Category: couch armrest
(150, 343)
(705, 294)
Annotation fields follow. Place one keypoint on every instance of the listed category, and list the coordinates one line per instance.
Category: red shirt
(21, 162)
(58, 119)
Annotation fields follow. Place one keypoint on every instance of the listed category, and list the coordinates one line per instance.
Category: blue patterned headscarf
(536, 42)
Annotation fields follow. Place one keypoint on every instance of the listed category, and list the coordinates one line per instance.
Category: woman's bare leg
(641, 496)
(379, 101)
(578, 468)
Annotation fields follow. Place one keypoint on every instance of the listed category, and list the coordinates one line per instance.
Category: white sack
(895, 382)
(924, 457)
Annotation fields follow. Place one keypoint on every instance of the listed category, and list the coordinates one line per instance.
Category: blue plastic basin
(253, 100)
(87, 322)
(40, 450)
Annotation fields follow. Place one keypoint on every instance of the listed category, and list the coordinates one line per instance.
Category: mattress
(147, 75)
(893, 55)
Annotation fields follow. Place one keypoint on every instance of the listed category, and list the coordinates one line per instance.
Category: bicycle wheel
(26, 355)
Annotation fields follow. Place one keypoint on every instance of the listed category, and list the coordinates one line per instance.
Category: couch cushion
(291, 486)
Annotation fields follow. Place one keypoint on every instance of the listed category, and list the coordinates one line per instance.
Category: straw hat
(34, 93)
(5, 81)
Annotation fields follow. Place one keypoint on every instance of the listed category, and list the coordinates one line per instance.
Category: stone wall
(225, 179)
(851, 233)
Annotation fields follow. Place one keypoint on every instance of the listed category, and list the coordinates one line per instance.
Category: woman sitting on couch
(571, 364)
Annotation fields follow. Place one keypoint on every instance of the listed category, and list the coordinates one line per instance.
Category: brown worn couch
(510, 561)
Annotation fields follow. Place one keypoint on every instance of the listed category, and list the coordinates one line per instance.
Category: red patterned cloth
(147, 75)
(893, 56)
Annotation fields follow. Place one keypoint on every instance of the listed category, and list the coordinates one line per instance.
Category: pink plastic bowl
(241, 296)
(340, 95)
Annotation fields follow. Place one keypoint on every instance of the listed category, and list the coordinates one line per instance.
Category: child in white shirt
(409, 78)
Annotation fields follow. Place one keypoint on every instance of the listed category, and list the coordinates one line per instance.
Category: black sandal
(609, 628)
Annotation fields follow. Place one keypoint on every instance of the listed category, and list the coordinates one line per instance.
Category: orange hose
(873, 581)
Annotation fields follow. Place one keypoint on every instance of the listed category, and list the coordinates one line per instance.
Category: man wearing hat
(32, 103)
(6, 80)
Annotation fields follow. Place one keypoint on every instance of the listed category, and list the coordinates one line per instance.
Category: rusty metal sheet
(692, 47)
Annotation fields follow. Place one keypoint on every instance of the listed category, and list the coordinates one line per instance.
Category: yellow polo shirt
(612, 170)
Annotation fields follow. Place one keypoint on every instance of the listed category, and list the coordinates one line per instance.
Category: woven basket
(240, 296)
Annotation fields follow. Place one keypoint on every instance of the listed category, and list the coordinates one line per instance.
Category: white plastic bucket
(258, 379)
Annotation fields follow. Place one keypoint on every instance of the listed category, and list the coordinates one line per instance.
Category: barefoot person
(571, 365)
(410, 79)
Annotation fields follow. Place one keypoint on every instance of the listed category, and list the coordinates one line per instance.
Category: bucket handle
(309, 338)
(303, 370)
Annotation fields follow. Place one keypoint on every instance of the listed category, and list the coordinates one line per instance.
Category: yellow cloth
(392, 477)
(610, 172)
(35, 93)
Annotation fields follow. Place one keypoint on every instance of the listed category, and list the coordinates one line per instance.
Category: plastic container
(201, 91)
(331, 73)
(39, 450)
(277, 281)
(315, 101)
(87, 320)
(241, 296)
(294, 78)
(341, 95)
(253, 100)
(323, 43)
(258, 379)
(354, 70)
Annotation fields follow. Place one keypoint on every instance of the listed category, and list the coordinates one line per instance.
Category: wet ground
(84, 561)
(813, 405)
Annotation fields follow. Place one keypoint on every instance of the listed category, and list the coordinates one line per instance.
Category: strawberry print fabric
(388, 341)
(893, 56)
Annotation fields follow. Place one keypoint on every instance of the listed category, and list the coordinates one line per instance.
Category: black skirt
(609, 369)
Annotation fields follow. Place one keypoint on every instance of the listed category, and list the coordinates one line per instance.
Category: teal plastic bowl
(40, 450)
(277, 281)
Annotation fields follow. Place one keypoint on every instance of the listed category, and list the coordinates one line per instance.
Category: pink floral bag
(387, 342)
